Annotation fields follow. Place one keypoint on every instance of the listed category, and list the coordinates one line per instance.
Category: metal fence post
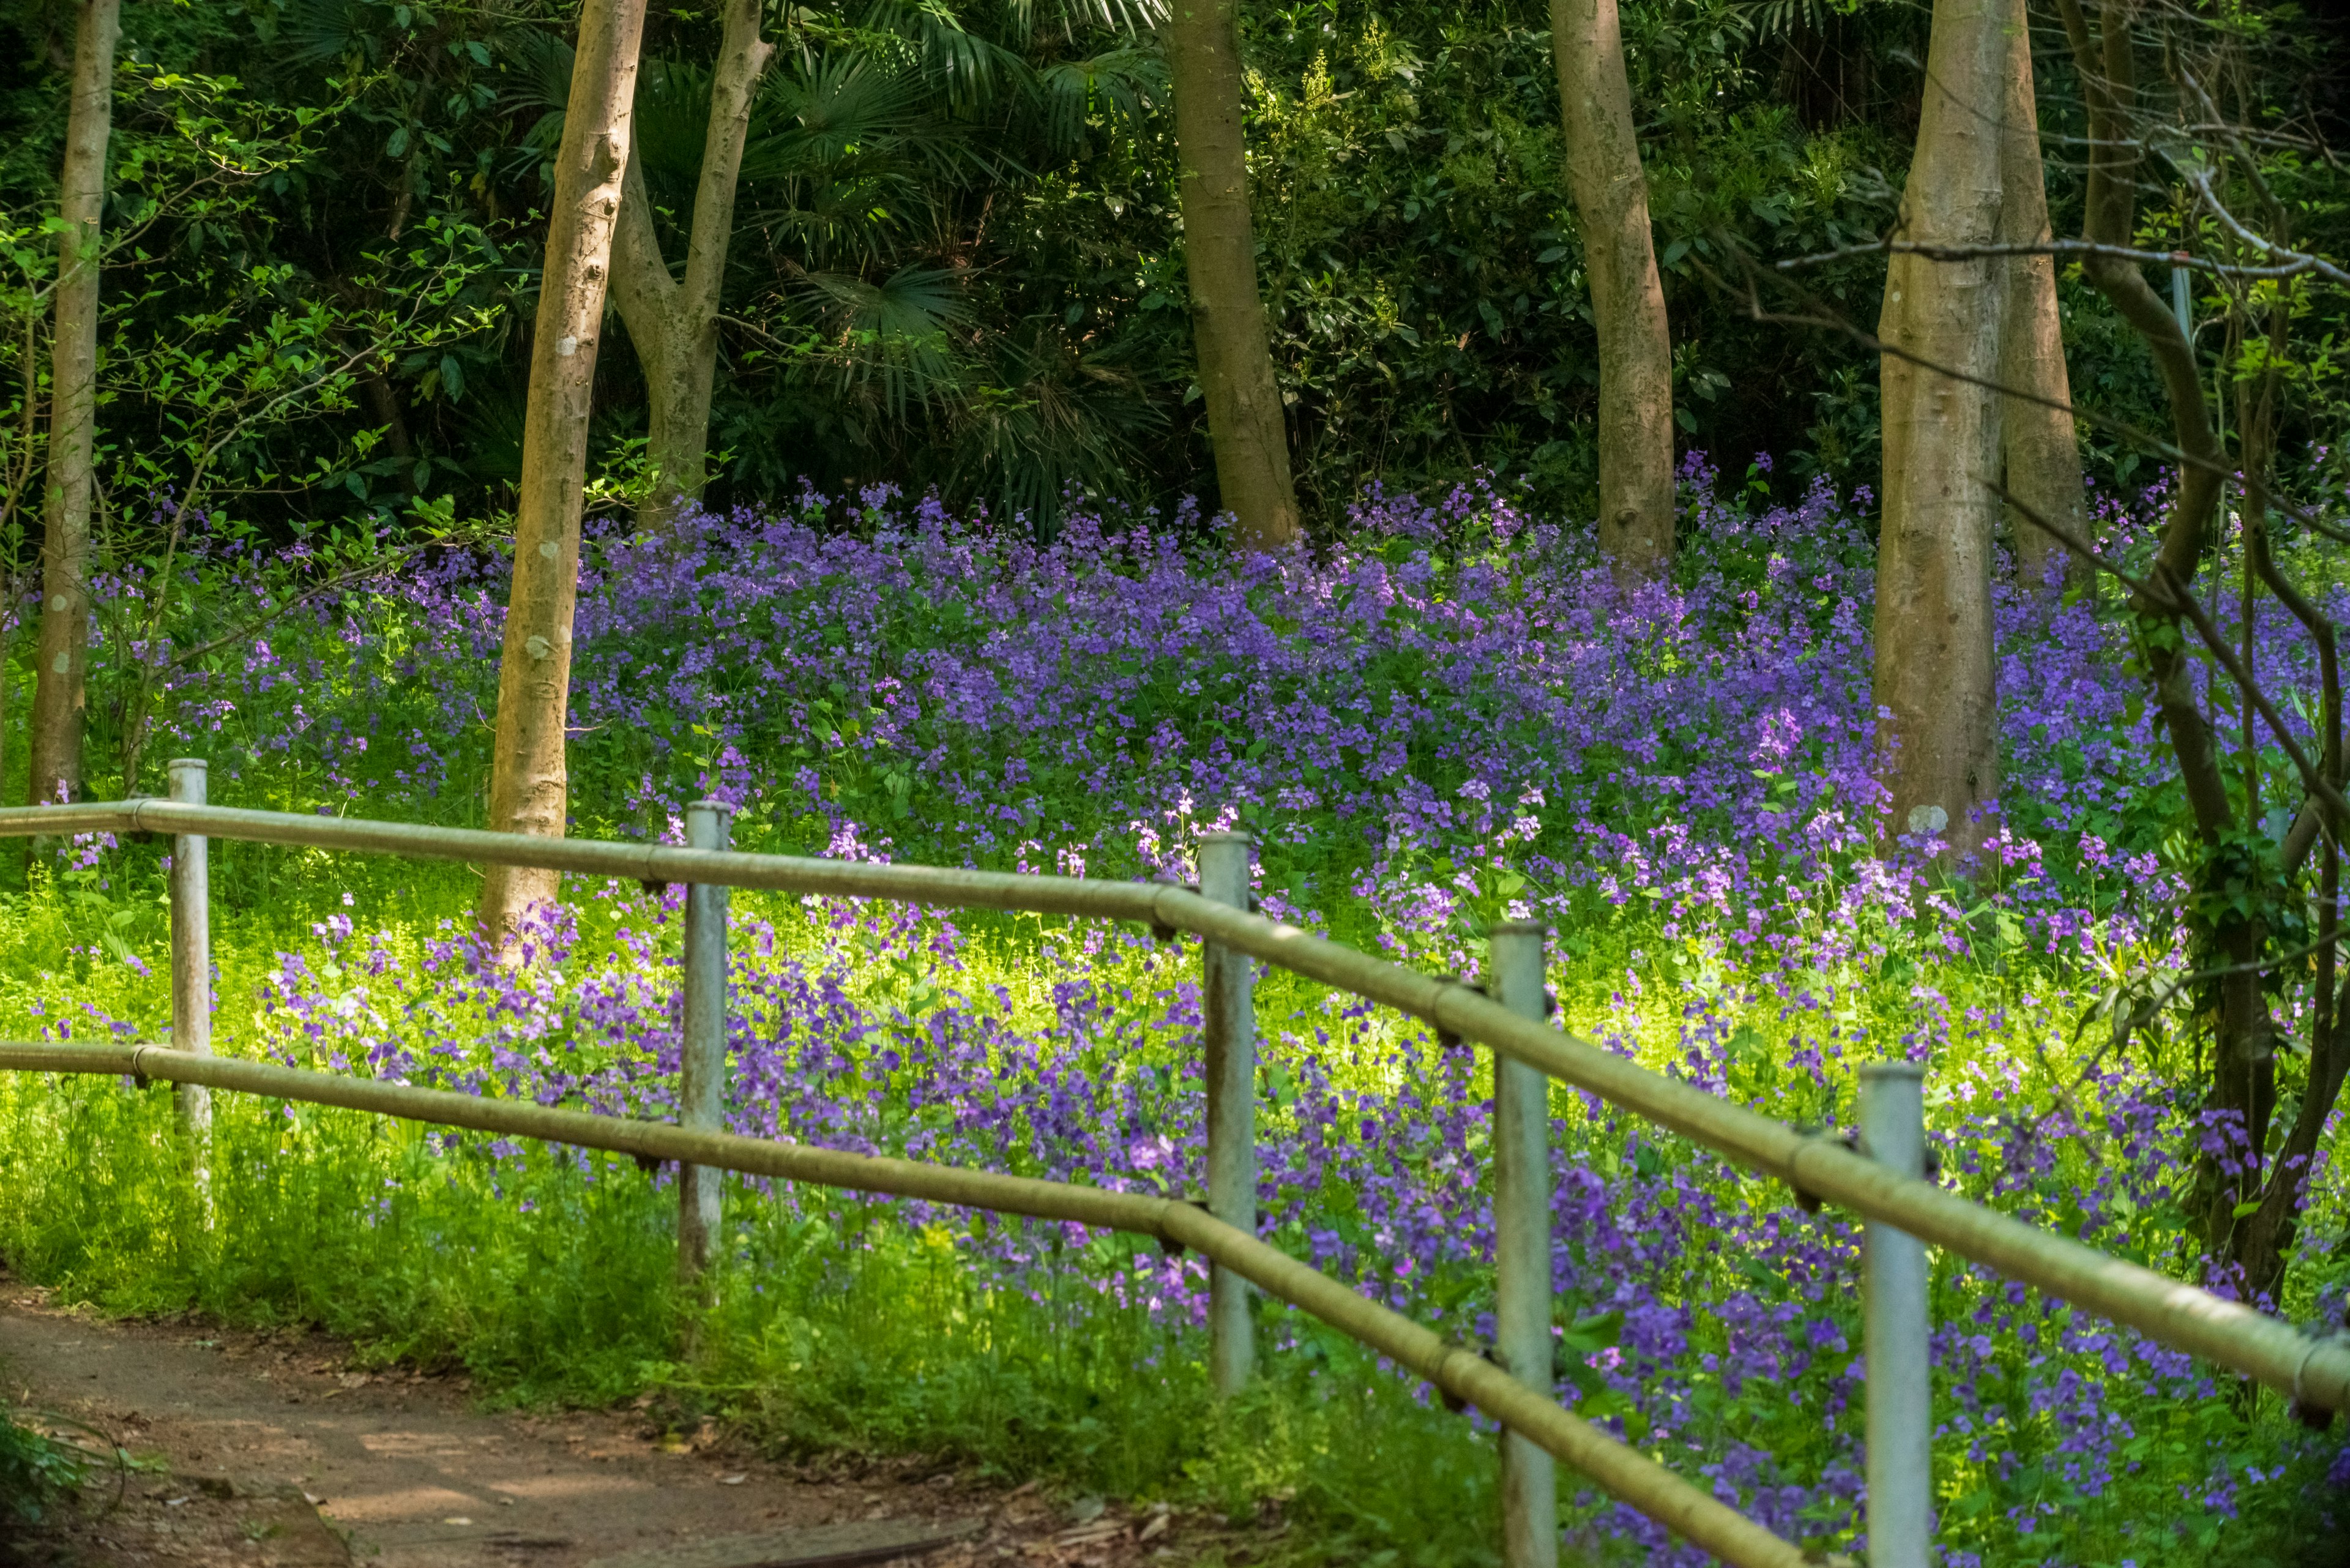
(701, 1066)
(1899, 1376)
(1228, 1008)
(192, 975)
(1522, 1197)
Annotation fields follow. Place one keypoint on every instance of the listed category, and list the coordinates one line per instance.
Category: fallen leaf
(732, 1480)
(1155, 1529)
(458, 1519)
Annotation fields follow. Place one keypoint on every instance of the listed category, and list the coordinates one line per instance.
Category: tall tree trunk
(2041, 454)
(1202, 41)
(674, 325)
(528, 780)
(58, 694)
(1627, 300)
(1938, 751)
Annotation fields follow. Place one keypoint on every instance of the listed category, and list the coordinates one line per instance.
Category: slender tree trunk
(674, 325)
(528, 779)
(2041, 454)
(1202, 41)
(2243, 1068)
(59, 696)
(1627, 300)
(1939, 749)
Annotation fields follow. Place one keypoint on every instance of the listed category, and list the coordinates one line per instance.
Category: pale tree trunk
(1202, 41)
(1627, 300)
(58, 694)
(2042, 455)
(674, 325)
(1938, 751)
(528, 780)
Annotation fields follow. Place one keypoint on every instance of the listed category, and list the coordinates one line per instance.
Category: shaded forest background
(957, 262)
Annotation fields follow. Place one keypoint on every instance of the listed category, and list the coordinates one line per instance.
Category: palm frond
(538, 68)
(973, 68)
(669, 128)
(538, 76)
(1069, 17)
(1118, 87)
(844, 149)
(892, 339)
(320, 32)
(1054, 414)
(823, 113)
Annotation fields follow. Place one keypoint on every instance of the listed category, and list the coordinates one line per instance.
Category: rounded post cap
(708, 825)
(1519, 929)
(1912, 1069)
(180, 764)
(1228, 836)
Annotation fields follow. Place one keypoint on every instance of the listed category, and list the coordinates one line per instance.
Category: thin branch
(2174, 596)
(317, 591)
(2298, 261)
(1828, 317)
(2299, 266)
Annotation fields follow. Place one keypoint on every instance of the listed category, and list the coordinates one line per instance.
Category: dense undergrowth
(1447, 721)
(35, 1470)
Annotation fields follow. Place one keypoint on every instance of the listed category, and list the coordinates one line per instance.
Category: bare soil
(277, 1450)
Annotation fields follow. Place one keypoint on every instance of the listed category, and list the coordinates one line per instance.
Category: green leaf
(1594, 1333)
(2247, 1209)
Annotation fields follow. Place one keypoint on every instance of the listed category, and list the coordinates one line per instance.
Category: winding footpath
(276, 1450)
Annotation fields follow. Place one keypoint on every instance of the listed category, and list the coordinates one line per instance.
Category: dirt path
(274, 1451)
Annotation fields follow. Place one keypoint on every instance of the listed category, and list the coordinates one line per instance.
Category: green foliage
(958, 261)
(835, 1324)
(35, 1472)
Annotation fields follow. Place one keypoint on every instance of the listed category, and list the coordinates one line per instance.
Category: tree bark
(528, 779)
(1202, 42)
(1938, 751)
(674, 325)
(2041, 454)
(1610, 191)
(59, 696)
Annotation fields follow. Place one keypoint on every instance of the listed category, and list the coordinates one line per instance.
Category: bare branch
(2299, 261)
(1824, 316)
(2166, 593)
(2299, 266)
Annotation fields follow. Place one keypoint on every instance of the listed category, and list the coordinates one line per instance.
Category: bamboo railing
(1882, 1180)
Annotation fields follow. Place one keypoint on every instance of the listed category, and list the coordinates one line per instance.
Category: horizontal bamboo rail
(2180, 1315)
(1620, 1471)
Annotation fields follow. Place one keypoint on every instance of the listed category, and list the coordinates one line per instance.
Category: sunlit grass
(833, 1325)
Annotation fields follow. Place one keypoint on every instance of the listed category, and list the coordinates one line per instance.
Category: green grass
(834, 1328)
